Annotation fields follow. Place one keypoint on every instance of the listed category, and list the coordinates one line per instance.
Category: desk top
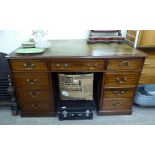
(80, 49)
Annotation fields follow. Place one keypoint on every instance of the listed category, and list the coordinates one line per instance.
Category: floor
(140, 116)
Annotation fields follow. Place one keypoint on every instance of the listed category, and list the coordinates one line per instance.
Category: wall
(12, 39)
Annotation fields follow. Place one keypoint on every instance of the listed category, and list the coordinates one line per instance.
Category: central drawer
(125, 64)
(31, 80)
(117, 104)
(81, 65)
(121, 79)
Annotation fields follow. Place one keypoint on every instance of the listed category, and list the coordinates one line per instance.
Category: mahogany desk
(116, 67)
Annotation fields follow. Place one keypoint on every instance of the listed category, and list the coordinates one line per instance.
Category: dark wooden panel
(125, 64)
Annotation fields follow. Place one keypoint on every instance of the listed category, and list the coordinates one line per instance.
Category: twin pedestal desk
(116, 67)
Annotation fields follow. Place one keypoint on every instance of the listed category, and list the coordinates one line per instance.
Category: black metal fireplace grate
(4, 84)
(4, 78)
(7, 93)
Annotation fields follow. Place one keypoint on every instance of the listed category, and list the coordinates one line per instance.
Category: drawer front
(119, 93)
(31, 81)
(122, 64)
(34, 94)
(116, 104)
(150, 54)
(28, 65)
(147, 80)
(78, 66)
(33, 106)
(121, 79)
(149, 63)
(148, 72)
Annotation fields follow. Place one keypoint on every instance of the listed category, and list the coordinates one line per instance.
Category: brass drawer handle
(36, 106)
(141, 82)
(66, 65)
(124, 63)
(34, 94)
(29, 65)
(119, 92)
(92, 66)
(148, 63)
(116, 104)
(33, 81)
(62, 67)
(58, 65)
(121, 80)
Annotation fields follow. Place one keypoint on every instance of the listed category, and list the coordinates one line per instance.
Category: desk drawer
(31, 80)
(148, 72)
(28, 65)
(147, 80)
(117, 104)
(121, 79)
(119, 92)
(123, 64)
(36, 107)
(149, 63)
(34, 94)
(86, 65)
